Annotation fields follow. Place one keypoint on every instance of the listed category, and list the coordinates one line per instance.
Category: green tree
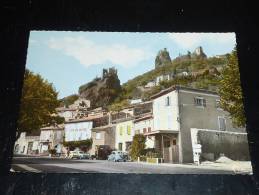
(38, 104)
(138, 146)
(230, 92)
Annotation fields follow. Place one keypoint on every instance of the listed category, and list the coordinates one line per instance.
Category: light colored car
(79, 155)
(117, 156)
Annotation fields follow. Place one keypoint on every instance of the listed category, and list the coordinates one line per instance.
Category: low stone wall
(214, 143)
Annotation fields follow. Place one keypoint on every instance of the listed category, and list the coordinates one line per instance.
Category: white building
(79, 129)
(150, 84)
(135, 101)
(184, 73)
(165, 77)
(124, 134)
(76, 110)
(81, 103)
(27, 144)
(178, 109)
(67, 113)
(51, 138)
(145, 125)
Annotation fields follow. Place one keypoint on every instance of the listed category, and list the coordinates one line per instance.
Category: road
(60, 165)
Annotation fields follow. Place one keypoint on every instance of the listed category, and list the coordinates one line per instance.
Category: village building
(143, 108)
(81, 129)
(145, 125)
(150, 84)
(67, 113)
(78, 129)
(165, 77)
(27, 144)
(182, 74)
(51, 137)
(78, 109)
(81, 103)
(103, 135)
(124, 134)
(178, 109)
(135, 101)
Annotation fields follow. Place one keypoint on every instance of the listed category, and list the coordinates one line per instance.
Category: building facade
(124, 134)
(178, 109)
(145, 125)
(27, 144)
(51, 137)
(77, 130)
(103, 135)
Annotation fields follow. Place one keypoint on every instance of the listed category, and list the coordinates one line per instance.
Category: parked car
(118, 156)
(102, 152)
(79, 155)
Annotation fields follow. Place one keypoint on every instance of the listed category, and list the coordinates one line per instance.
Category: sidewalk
(235, 166)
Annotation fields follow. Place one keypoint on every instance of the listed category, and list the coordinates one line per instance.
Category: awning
(162, 132)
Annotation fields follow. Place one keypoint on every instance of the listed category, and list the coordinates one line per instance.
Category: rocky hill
(102, 91)
(202, 72)
(162, 58)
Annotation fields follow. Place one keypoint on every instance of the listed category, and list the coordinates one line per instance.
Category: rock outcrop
(198, 53)
(102, 91)
(162, 58)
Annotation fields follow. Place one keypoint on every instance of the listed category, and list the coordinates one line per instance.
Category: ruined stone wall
(232, 145)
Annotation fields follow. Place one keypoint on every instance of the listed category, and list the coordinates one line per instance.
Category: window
(23, 149)
(167, 143)
(222, 123)
(128, 129)
(144, 130)
(167, 101)
(199, 101)
(120, 146)
(98, 136)
(149, 129)
(121, 130)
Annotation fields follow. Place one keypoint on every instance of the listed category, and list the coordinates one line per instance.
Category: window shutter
(121, 130)
(128, 130)
(204, 102)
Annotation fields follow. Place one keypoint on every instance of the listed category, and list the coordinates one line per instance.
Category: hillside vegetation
(203, 73)
(204, 80)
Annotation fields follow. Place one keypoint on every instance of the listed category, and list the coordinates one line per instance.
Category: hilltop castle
(109, 72)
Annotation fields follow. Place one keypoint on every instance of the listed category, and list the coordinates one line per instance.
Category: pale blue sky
(70, 59)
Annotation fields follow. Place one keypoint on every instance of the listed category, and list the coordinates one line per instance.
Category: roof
(123, 120)
(148, 116)
(162, 132)
(178, 87)
(163, 92)
(102, 128)
(85, 119)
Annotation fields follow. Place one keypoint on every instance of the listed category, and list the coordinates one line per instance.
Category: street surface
(61, 165)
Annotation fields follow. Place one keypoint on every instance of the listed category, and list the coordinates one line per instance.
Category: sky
(69, 59)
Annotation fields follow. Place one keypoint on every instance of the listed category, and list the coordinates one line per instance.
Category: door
(120, 146)
(166, 150)
(175, 151)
